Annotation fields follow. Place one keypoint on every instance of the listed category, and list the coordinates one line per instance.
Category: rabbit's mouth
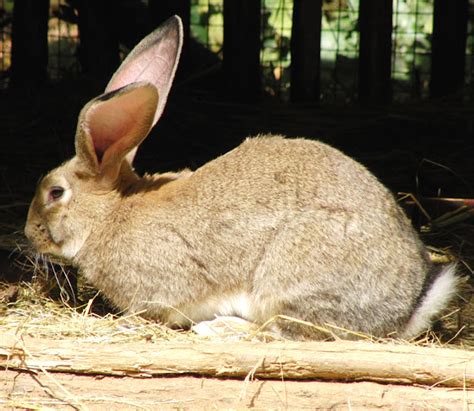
(51, 240)
(60, 252)
(45, 247)
(46, 256)
(42, 241)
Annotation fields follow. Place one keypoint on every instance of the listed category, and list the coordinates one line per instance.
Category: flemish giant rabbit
(275, 226)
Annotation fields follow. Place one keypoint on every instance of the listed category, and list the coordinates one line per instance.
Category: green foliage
(275, 54)
(276, 31)
(412, 20)
(412, 28)
(207, 23)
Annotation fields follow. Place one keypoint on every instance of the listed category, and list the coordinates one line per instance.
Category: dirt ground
(198, 393)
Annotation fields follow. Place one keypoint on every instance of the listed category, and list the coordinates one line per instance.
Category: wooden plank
(448, 47)
(60, 391)
(306, 50)
(242, 48)
(342, 360)
(375, 51)
(29, 42)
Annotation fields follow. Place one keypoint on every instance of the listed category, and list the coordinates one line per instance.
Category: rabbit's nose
(32, 225)
(29, 231)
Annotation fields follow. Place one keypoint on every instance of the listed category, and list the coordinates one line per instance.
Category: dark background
(422, 146)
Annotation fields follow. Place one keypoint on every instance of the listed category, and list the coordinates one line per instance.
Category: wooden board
(203, 374)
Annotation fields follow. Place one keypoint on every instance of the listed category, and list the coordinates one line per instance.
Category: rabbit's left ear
(113, 125)
(153, 60)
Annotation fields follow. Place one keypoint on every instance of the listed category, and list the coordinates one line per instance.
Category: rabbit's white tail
(441, 290)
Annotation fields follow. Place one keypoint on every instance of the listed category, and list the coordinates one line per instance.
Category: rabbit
(275, 228)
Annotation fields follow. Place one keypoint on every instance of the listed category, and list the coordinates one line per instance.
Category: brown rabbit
(276, 226)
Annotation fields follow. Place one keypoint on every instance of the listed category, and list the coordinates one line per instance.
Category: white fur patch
(437, 297)
(238, 305)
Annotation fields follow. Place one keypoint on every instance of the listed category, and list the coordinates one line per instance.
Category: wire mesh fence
(339, 50)
(275, 46)
(63, 41)
(207, 23)
(411, 47)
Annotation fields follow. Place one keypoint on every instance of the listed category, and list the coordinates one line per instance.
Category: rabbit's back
(290, 173)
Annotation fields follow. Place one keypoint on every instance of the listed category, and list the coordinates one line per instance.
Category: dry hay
(26, 310)
(36, 315)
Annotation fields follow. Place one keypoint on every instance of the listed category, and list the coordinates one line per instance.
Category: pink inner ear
(153, 60)
(113, 120)
(107, 127)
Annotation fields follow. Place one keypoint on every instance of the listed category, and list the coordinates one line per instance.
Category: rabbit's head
(110, 128)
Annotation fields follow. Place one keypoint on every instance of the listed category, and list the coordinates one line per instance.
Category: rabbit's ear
(153, 60)
(112, 125)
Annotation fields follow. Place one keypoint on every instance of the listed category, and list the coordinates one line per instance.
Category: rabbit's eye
(55, 193)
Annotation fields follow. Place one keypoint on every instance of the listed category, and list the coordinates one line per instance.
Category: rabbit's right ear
(153, 60)
(112, 125)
